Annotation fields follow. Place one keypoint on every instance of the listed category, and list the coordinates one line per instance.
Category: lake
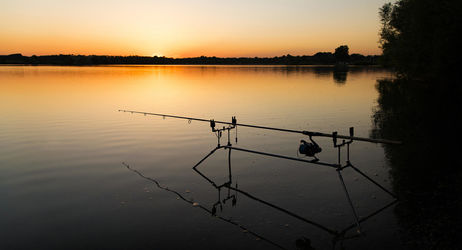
(65, 148)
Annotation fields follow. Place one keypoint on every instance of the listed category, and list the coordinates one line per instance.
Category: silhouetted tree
(341, 53)
(419, 37)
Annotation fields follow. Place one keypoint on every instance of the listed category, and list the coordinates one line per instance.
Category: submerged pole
(304, 132)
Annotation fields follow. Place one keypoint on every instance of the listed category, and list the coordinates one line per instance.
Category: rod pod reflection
(339, 166)
(231, 193)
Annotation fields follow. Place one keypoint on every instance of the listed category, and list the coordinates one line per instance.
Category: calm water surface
(63, 184)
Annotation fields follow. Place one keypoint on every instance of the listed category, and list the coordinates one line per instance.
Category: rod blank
(304, 132)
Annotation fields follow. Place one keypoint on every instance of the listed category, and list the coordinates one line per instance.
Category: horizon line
(163, 56)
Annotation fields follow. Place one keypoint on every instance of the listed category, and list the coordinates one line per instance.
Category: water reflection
(426, 170)
(264, 91)
(229, 191)
(59, 159)
(338, 236)
(145, 70)
(340, 74)
(207, 210)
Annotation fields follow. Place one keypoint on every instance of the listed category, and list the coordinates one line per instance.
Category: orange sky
(181, 28)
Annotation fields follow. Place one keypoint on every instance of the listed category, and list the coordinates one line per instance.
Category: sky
(188, 28)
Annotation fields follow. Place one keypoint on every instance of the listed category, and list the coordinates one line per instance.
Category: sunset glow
(181, 28)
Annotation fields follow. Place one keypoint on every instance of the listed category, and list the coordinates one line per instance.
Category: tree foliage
(419, 37)
(341, 53)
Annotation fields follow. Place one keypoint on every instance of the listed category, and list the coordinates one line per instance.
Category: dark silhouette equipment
(338, 236)
(309, 148)
(306, 148)
(213, 122)
(231, 193)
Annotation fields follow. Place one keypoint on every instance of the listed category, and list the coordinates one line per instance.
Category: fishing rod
(309, 149)
(304, 132)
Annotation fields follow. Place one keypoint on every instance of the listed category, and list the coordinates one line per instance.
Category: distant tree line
(321, 58)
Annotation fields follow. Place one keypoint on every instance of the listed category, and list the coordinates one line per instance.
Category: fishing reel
(309, 148)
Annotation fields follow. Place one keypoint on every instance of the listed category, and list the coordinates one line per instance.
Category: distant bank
(320, 58)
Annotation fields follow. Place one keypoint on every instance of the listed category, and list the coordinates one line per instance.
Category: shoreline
(246, 65)
(321, 58)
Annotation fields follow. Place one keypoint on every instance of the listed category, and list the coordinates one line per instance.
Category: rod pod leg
(229, 167)
(207, 156)
(372, 180)
(349, 200)
(202, 160)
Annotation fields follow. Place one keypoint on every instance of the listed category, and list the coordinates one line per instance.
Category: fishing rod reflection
(229, 192)
(205, 209)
